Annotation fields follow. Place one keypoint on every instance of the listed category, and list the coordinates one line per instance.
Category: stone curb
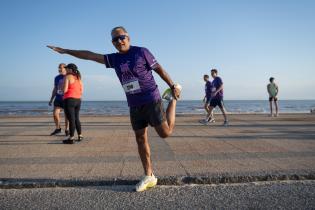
(49, 183)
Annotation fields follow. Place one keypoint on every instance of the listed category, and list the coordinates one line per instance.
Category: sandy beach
(252, 146)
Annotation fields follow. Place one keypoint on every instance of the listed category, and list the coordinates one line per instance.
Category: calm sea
(37, 108)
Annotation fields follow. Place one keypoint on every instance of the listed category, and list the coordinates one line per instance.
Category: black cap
(71, 66)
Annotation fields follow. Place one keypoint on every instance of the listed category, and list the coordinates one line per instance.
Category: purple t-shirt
(134, 70)
(208, 89)
(216, 83)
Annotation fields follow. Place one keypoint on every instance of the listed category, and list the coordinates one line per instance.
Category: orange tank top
(74, 90)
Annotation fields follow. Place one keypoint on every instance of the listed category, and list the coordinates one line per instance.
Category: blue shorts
(58, 103)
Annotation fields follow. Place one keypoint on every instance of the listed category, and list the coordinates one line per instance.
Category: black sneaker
(56, 131)
(68, 141)
(67, 133)
(226, 123)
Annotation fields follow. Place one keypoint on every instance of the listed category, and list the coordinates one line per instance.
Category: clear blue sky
(247, 41)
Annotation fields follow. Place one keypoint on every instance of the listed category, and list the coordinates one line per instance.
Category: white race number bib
(132, 87)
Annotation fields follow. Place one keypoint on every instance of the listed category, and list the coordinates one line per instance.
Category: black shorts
(216, 102)
(59, 103)
(208, 100)
(149, 114)
(273, 98)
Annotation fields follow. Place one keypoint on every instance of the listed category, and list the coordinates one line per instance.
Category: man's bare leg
(209, 114)
(277, 109)
(270, 104)
(144, 150)
(166, 128)
(57, 117)
(224, 113)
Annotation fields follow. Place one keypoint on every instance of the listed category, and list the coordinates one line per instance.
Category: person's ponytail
(77, 74)
(74, 69)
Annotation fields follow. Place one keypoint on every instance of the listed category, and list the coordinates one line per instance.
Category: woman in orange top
(72, 101)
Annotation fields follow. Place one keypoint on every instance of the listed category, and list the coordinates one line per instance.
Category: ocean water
(37, 108)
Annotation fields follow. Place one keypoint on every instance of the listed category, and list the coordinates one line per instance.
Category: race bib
(132, 87)
(60, 92)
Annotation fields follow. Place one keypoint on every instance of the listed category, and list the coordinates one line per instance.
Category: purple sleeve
(55, 83)
(109, 60)
(220, 82)
(151, 61)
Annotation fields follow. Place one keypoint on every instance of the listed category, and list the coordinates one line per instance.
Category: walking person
(273, 91)
(57, 99)
(217, 95)
(207, 98)
(133, 66)
(72, 101)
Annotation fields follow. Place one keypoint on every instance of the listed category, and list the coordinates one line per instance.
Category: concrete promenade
(252, 148)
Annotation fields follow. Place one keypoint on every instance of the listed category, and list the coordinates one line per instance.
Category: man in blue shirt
(57, 98)
(217, 95)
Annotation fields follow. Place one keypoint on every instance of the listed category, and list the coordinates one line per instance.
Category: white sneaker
(167, 95)
(211, 120)
(146, 182)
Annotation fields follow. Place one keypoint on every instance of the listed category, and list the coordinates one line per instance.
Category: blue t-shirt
(59, 80)
(216, 84)
(134, 71)
(208, 89)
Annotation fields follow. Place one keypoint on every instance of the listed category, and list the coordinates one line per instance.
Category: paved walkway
(253, 147)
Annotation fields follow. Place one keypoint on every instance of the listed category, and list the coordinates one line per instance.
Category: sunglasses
(120, 37)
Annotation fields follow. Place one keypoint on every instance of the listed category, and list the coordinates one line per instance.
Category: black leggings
(72, 109)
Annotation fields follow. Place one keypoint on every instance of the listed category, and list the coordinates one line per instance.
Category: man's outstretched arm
(82, 54)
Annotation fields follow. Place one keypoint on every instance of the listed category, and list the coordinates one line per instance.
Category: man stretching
(133, 66)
